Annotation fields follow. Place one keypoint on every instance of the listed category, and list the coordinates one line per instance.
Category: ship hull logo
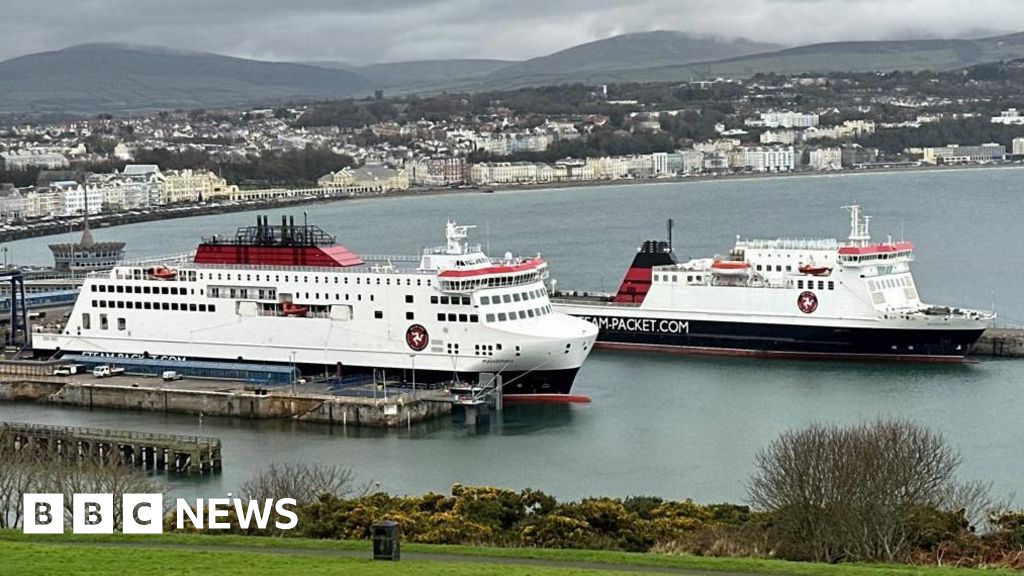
(416, 337)
(807, 302)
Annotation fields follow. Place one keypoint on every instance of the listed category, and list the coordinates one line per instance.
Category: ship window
(147, 305)
(506, 298)
(165, 306)
(191, 307)
(444, 300)
(202, 307)
(451, 317)
(121, 324)
(146, 289)
(378, 314)
(466, 301)
(103, 322)
(655, 277)
(212, 308)
(463, 318)
(485, 300)
(372, 297)
(789, 268)
(800, 284)
(490, 317)
(378, 281)
(408, 298)
(474, 318)
(433, 299)
(120, 289)
(758, 267)
(502, 317)
(440, 317)
(163, 289)
(831, 285)
(409, 316)
(515, 297)
(174, 306)
(821, 284)
(522, 315)
(530, 313)
(86, 321)
(778, 267)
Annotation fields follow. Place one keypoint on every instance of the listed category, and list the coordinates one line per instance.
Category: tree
(867, 492)
(299, 480)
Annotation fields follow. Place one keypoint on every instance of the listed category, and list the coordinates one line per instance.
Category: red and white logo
(807, 302)
(416, 337)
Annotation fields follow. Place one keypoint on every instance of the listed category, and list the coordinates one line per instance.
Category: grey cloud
(388, 30)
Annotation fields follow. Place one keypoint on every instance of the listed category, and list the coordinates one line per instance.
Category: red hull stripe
(877, 248)
(528, 265)
(546, 398)
(708, 351)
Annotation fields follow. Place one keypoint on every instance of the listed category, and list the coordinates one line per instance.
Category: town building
(35, 158)
(191, 186)
(830, 158)
(956, 154)
(368, 179)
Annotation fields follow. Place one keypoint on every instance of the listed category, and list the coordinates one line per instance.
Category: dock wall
(1000, 342)
(379, 413)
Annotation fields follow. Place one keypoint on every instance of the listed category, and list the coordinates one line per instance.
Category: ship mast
(859, 235)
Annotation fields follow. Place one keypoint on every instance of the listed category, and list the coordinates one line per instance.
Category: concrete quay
(1000, 343)
(225, 398)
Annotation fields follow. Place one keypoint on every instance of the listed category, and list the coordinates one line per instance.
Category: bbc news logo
(143, 514)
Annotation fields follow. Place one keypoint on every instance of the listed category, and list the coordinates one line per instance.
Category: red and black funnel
(637, 282)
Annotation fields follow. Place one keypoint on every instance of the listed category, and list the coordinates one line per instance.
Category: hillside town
(112, 164)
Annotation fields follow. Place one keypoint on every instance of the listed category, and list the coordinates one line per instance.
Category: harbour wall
(400, 410)
(1000, 342)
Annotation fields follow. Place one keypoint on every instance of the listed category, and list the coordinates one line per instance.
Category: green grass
(238, 555)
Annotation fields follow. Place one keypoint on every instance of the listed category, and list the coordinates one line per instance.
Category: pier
(161, 452)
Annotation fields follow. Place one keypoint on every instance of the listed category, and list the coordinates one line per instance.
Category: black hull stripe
(754, 339)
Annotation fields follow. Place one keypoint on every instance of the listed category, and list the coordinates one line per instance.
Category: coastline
(188, 211)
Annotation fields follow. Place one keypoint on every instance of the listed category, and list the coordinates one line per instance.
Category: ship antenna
(670, 224)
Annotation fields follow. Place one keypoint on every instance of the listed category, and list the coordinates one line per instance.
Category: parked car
(105, 371)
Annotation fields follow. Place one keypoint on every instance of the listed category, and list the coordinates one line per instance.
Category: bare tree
(862, 492)
(302, 481)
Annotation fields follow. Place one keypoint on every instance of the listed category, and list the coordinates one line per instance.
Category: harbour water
(671, 426)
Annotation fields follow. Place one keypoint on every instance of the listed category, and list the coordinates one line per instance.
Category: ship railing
(371, 268)
(790, 244)
(184, 257)
(387, 258)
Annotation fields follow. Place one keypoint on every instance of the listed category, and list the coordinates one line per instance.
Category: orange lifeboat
(730, 267)
(815, 270)
(290, 309)
(163, 273)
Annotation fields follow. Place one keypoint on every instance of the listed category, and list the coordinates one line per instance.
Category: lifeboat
(730, 268)
(290, 309)
(163, 273)
(815, 270)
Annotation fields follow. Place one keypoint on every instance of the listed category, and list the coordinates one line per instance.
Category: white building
(784, 120)
(778, 137)
(764, 159)
(830, 158)
(75, 197)
(1009, 117)
(1018, 146)
(485, 173)
(42, 158)
(956, 154)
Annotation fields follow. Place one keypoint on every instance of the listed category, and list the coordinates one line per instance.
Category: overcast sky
(363, 31)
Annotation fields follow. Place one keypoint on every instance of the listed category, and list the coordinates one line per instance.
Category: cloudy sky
(363, 31)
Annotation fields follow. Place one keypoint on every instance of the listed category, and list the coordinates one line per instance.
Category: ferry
(794, 298)
(289, 294)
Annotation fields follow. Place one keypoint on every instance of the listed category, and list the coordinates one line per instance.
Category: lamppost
(294, 375)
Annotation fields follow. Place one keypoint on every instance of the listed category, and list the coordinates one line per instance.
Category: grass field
(238, 556)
